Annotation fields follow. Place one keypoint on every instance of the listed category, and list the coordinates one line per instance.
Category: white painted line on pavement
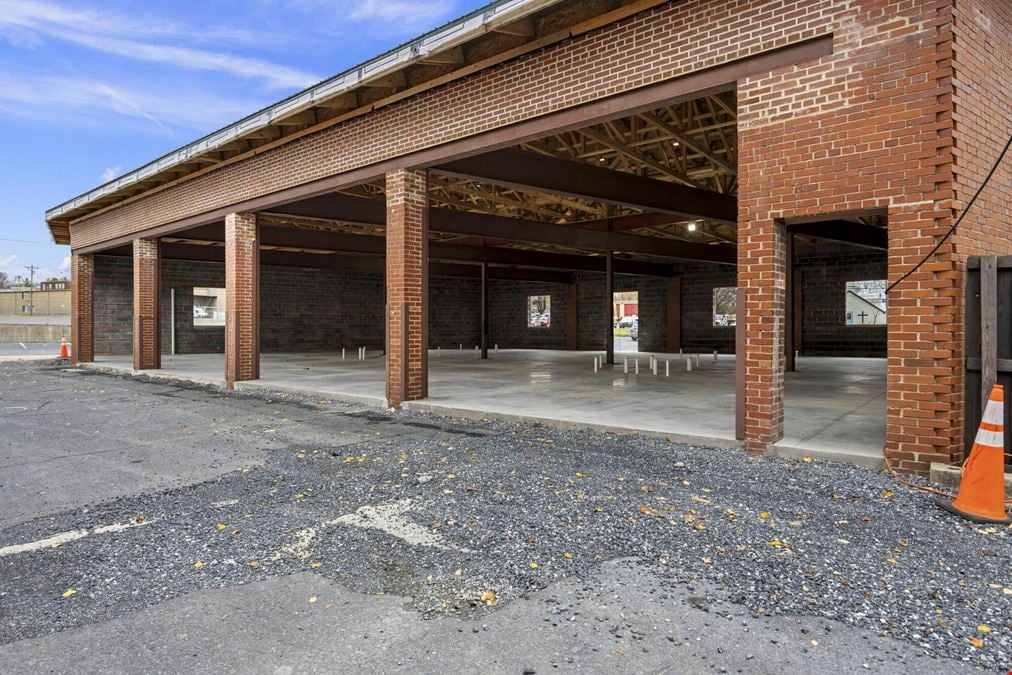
(389, 518)
(64, 537)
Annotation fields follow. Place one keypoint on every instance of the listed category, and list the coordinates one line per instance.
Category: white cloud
(65, 264)
(9, 264)
(145, 107)
(402, 14)
(110, 173)
(138, 40)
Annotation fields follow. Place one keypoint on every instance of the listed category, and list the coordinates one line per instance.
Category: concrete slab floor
(834, 407)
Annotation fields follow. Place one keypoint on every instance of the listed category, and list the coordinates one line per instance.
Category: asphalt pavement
(161, 527)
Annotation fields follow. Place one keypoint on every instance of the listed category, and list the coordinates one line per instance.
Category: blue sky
(90, 90)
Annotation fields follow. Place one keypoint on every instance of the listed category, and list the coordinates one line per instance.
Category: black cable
(952, 229)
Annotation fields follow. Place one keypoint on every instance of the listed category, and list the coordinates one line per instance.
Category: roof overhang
(438, 48)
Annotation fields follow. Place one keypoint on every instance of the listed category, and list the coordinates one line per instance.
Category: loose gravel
(534, 506)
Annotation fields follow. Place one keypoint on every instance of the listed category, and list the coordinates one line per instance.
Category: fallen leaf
(1007, 591)
(976, 642)
(299, 497)
(221, 526)
(888, 493)
(69, 592)
(252, 563)
(457, 572)
(892, 560)
(197, 565)
(776, 543)
(567, 555)
(730, 515)
(56, 545)
(806, 460)
(648, 510)
(312, 599)
(700, 527)
(983, 629)
(580, 474)
(316, 565)
(842, 541)
(533, 566)
(138, 519)
(764, 514)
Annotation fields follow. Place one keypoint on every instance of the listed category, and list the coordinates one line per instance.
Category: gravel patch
(534, 506)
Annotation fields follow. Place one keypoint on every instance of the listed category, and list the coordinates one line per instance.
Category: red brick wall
(82, 308)
(146, 287)
(658, 44)
(407, 238)
(982, 115)
(868, 127)
(242, 298)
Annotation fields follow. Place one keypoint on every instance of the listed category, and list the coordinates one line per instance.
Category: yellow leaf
(221, 526)
(1007, 591)
(316, 565)
(701, 500)
(646, 509)
(764, 514)
(312, 599)
(580, 474)
(731, 515)
(567, 555)
(685, 482)
(806, 460)
(451, 475)
(198, 564)
(457, 572)
(776, 543)
(888, 493)
(69, 592)
(836, 496)
(976, 642)
(299, 497)
(983, 629)
(891, 560)
(252, 563)
(700, 527)
(56, 545)
(904, 543)
(533, 566)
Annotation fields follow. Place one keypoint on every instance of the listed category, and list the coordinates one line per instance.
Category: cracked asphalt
(280, 534)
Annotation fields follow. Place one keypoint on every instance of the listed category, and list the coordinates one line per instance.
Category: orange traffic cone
(981, 496)
(64, 353)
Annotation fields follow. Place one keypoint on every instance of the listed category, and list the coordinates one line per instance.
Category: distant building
(23, 301)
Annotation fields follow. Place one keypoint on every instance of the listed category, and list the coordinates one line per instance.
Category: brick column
(762, 260)
(147, 270)
(925, 367)
(82, 308)
(242, 298)
(407, 282)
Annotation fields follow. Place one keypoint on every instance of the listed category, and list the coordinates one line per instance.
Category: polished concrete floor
(834, 407)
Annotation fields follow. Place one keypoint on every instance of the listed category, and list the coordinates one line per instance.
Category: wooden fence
(988, 339)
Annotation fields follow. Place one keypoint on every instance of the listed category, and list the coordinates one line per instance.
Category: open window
(208, 306)
(866, 303)
(725, 306)
(539, 311)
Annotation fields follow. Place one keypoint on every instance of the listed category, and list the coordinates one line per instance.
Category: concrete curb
(950, 476)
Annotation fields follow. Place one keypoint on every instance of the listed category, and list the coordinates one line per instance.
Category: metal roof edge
(446, 36)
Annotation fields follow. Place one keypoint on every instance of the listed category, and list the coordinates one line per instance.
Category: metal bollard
(625, 365)
(688, 365)
(342, 353)
(637, 366)
(667, 368)
(714, 355)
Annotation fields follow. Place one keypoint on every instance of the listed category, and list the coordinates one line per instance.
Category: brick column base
(82, 308)
(242, 298)
(407, 281)
(147, 270)
(762, 252)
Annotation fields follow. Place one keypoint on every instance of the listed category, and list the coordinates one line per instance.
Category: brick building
(573, 149)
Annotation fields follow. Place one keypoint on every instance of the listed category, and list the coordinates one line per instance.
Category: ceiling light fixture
(692, 227)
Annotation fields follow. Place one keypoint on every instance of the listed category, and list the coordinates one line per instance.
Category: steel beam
(844, 231)
(520, 169)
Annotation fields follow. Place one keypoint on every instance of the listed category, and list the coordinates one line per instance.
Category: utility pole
(31, 287)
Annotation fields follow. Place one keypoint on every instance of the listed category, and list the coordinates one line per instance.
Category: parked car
(627, 321)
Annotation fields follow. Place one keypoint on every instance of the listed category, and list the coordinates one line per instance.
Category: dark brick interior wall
(323, 310)
(455, 312)
(114, 288)
(698, 331)
(508, 327)
(826, 269)
(305, 310)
